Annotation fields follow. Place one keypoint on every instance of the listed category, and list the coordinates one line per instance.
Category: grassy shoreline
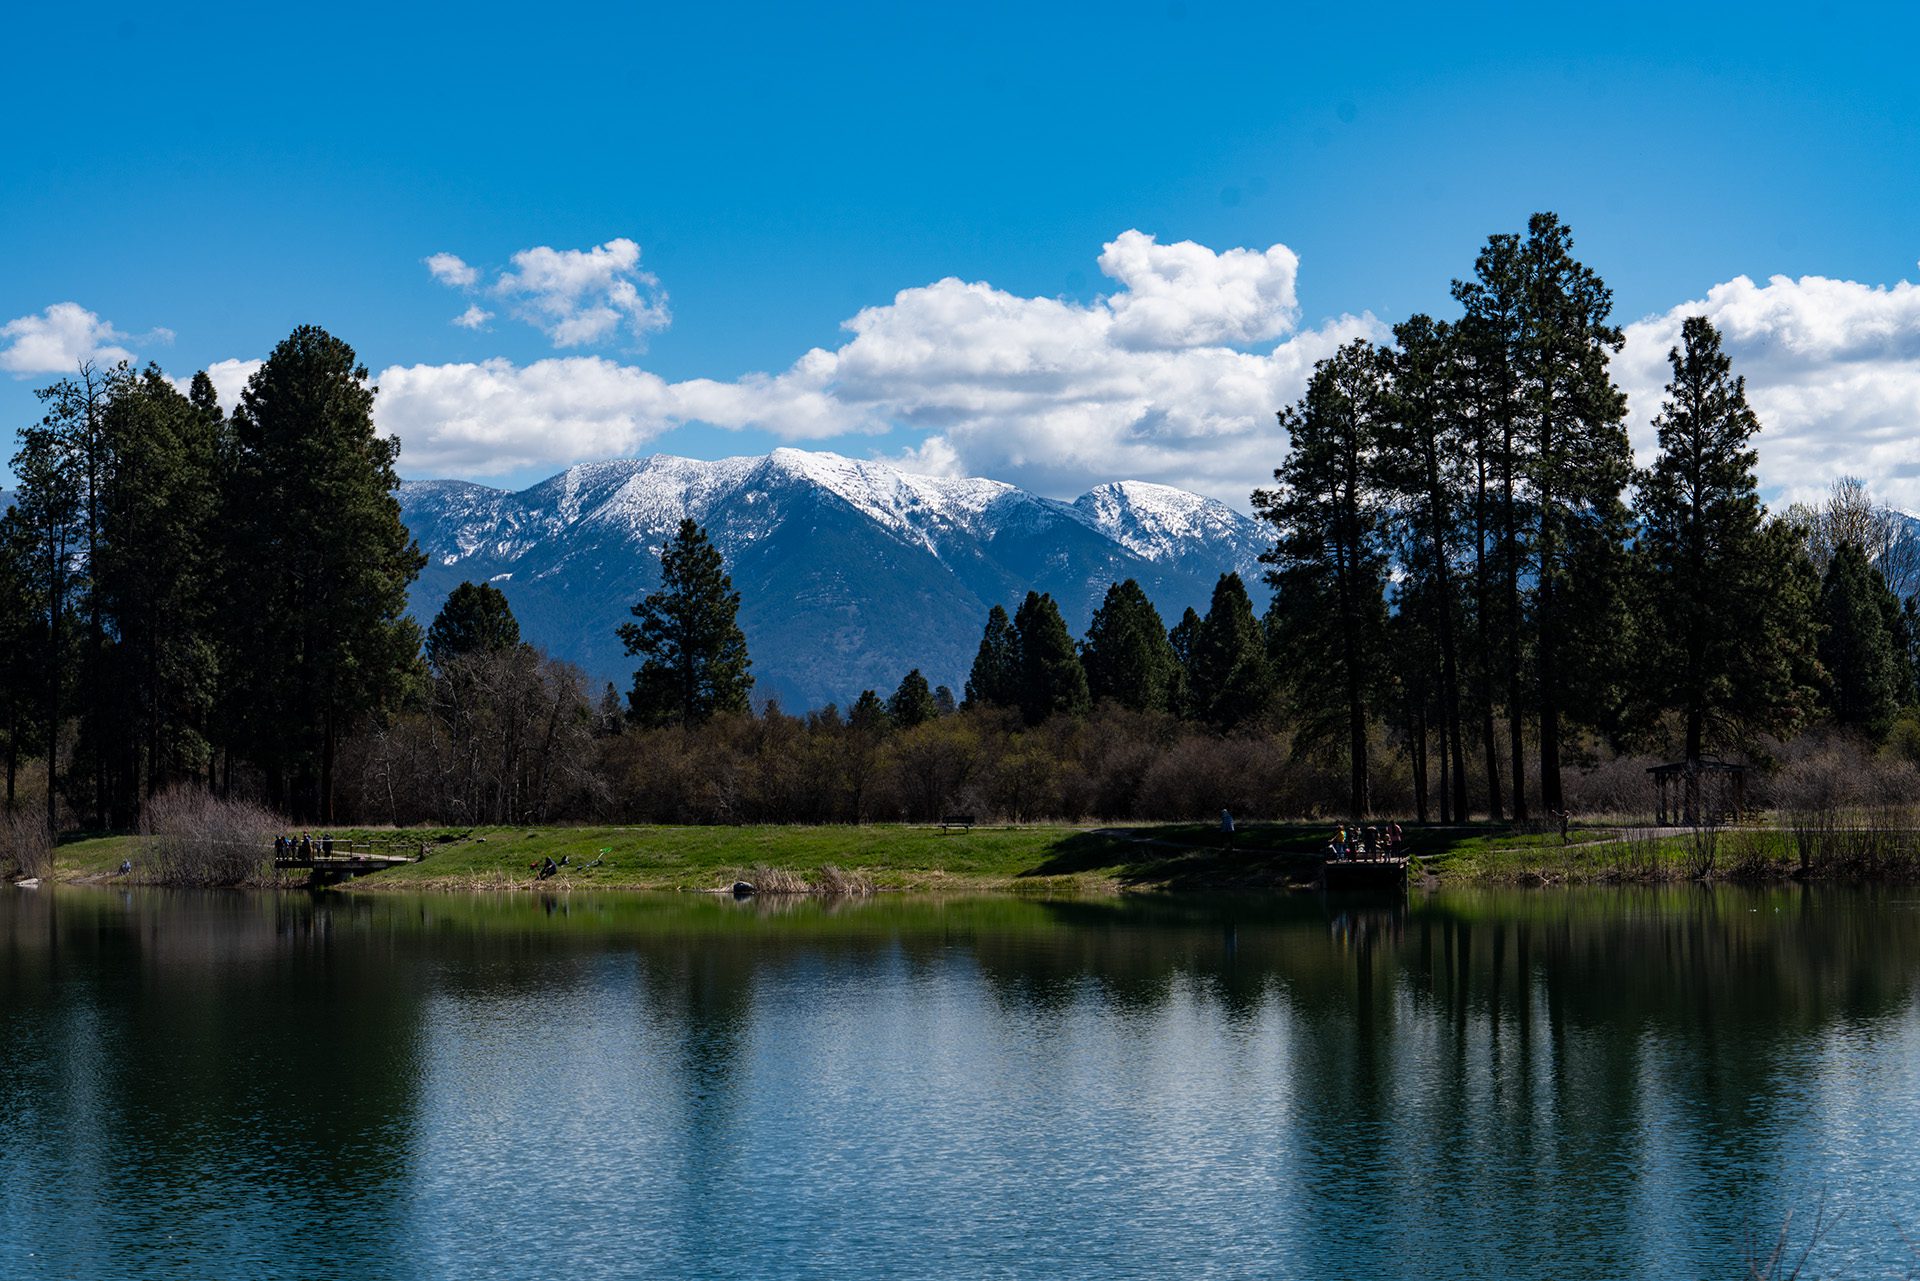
(1038, 858)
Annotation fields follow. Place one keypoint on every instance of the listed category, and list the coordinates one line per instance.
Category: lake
(1601, 1083)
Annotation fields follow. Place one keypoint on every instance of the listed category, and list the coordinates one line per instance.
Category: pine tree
(696, 655)
(1051, 680)
(995, 678)
(1184, 641)
(476, 619)
(20, 652)
(1126, 654)
(1725, 636)
(152, 581)
(1329, 560)
(1564, 461)
(1422, 455)
(868, 714)
(913, 702)
(1859, 647)
(943, 701)
(45, 532)
(1232, 684)
(318, 564)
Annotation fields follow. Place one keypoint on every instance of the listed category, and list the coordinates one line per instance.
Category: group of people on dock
(1351, 841)
(285, 847)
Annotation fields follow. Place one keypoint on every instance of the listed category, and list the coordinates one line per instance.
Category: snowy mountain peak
(850, 572)
(1157, 522)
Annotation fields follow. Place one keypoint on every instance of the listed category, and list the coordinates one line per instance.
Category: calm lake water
(1585, 1084)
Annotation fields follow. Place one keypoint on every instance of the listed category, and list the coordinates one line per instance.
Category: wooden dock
(1364, 876)
(346, 860)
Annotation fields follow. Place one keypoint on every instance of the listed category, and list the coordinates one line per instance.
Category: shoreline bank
(1033, 859)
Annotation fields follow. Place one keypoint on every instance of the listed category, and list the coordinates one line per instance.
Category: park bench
(950, 821)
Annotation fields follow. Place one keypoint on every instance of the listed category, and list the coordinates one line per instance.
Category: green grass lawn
(1036, 858)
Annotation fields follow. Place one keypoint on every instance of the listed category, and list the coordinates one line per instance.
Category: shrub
(189, 837)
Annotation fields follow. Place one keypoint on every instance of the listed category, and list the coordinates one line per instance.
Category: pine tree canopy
(995, 678)
(913, 702)
(1232, 684)
(689, 634)
(319, 564)
(476, 619)
(1051, 680)
(1127, 655)
(1860, 648)
(1724, 633)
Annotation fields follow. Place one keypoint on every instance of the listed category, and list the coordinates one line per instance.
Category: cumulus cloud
(576, 297)
(1151, 382)
(1186, 295)
(1832, 369)
(62, 336)
(451, 269)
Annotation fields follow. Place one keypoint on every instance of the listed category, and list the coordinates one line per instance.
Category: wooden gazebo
(1701, 793)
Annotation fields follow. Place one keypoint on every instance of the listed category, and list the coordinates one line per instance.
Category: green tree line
(1473, 587)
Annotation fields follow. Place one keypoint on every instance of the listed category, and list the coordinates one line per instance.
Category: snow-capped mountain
(849, 572)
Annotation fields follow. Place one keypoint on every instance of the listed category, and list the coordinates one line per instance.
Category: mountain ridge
(850, 572)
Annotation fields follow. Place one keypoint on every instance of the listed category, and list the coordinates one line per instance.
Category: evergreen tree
(153, 577)
(995, 678)
(1127, 655)
(1232, 684)
(868, 714)
(696, 655)
(1859, 647)
(45, 533)
(1052, 681)
(1329, 561)
(943, 701)
(913, 702)
(1422, 456)
(20, 654)
(1724, 634)
(318, 566)
(476, 619)
(1184, 641)
(1565, 459)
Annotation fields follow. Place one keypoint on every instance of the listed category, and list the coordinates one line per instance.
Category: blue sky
(226, 174)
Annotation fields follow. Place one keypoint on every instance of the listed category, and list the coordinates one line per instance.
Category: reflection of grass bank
(1075, 860)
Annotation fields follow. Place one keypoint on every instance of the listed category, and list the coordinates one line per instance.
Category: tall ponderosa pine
(1126, 654)
(1564, 461)
(1184, 641)
(45, 537)
(156, 565)
(1052, 681)
(689, 632)
(318, 566)
(20, 652)
(476, 619)
(1422, 454)
(995, 678)
(1232, 684)
(1860, 646)
(913, 702)
(1725, 624)
(1329, 562)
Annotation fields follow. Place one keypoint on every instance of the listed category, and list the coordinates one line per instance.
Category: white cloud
(576, 297)
(1832, 369)
(62, 336)
(1186, 295)
(1147, 383)
(451, 269)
